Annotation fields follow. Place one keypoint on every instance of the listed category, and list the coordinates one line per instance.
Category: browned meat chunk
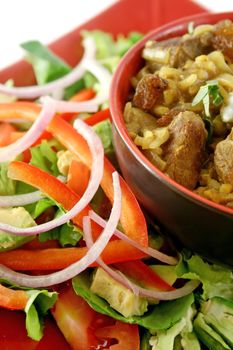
(166, 119)
(177, 51)
(149, 89)
(223, 159)
(223, 38)
(184, 150)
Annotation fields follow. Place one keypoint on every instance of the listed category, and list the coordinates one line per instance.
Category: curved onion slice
(154, 253)
(20, 199)
(137, 290)
(46, 114)
(104, 78)
(31, 92)
(69, 272)
(24, 199)
(97, 152)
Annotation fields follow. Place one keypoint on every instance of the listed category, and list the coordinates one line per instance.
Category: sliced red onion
(69, 106)
(74, 269)
(24, 199)
(97, 152)
(188, 288)
(20, 199)
(104, 78)
(154, 253)
(31, 92)
(47, 112)
(137, 290)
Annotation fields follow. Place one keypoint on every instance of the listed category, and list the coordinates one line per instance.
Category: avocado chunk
(119, 297)
(18, 217)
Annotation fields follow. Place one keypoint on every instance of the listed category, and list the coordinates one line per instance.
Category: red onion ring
(154, 253)
(97, 152)
(104, 78)
(46, 114)
(24, 199)
(188, 288)
(31, 92)
(74, 269)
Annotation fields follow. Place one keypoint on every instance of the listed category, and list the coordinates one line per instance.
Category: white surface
(23, 20)
(216, 5)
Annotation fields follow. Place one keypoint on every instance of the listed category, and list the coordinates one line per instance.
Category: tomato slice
(127, 336)
(86, 329)
(13, 335)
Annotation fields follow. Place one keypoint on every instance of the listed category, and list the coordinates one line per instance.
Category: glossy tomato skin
(86, 329)
(13, 335)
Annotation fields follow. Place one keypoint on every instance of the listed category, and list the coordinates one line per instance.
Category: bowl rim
(160, 33)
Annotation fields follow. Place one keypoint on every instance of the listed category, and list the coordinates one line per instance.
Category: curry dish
(180, 113)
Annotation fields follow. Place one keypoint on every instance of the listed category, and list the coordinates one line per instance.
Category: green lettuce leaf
(104, 131)
(67, 234)
(7, 185)
(45, 158)
(39, 303)
(216, 280)
(110, 51)
(161, 316)
(47, 66)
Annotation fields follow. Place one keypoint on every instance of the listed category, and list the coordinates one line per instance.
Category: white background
(46, 20)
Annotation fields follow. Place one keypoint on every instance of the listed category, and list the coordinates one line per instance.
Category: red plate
(122, 17)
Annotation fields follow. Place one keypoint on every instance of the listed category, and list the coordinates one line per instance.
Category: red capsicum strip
(13, 299)
(59, 258)
(132, 218)
(80, 96)
(143, 274)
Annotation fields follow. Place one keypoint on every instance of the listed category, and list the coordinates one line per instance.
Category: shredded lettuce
(104, 131)
(7, 185)
(45, 158)
(110, 51)
(39, 303)
(216, 280)
(47, 66)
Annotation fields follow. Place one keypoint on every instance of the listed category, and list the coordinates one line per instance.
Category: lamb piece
(176, 51)
(167, 118)
(184, 151)
(223, 38)
(149, 89)
(223, 159)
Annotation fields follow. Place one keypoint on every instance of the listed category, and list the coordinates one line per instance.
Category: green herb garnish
(211, 89)
(191, 27)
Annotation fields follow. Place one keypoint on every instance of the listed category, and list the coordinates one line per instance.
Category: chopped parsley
(191, 28)
(211, 89)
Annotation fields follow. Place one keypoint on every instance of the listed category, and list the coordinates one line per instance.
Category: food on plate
(74, 243)
(179, 111)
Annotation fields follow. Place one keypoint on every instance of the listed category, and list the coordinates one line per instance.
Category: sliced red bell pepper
(59, 258)
(143, 274)
(132, 218)
(6, 131)
(13, 299)
(98, 117)
(78, 177)
(80, 96)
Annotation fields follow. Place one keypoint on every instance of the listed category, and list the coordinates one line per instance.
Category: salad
(74, 243)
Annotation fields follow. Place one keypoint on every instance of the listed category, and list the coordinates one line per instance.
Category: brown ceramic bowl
(197, 223)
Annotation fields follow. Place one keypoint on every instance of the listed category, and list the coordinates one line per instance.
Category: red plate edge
(147, 15)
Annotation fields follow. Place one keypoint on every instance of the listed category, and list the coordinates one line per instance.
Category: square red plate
(122, 17)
